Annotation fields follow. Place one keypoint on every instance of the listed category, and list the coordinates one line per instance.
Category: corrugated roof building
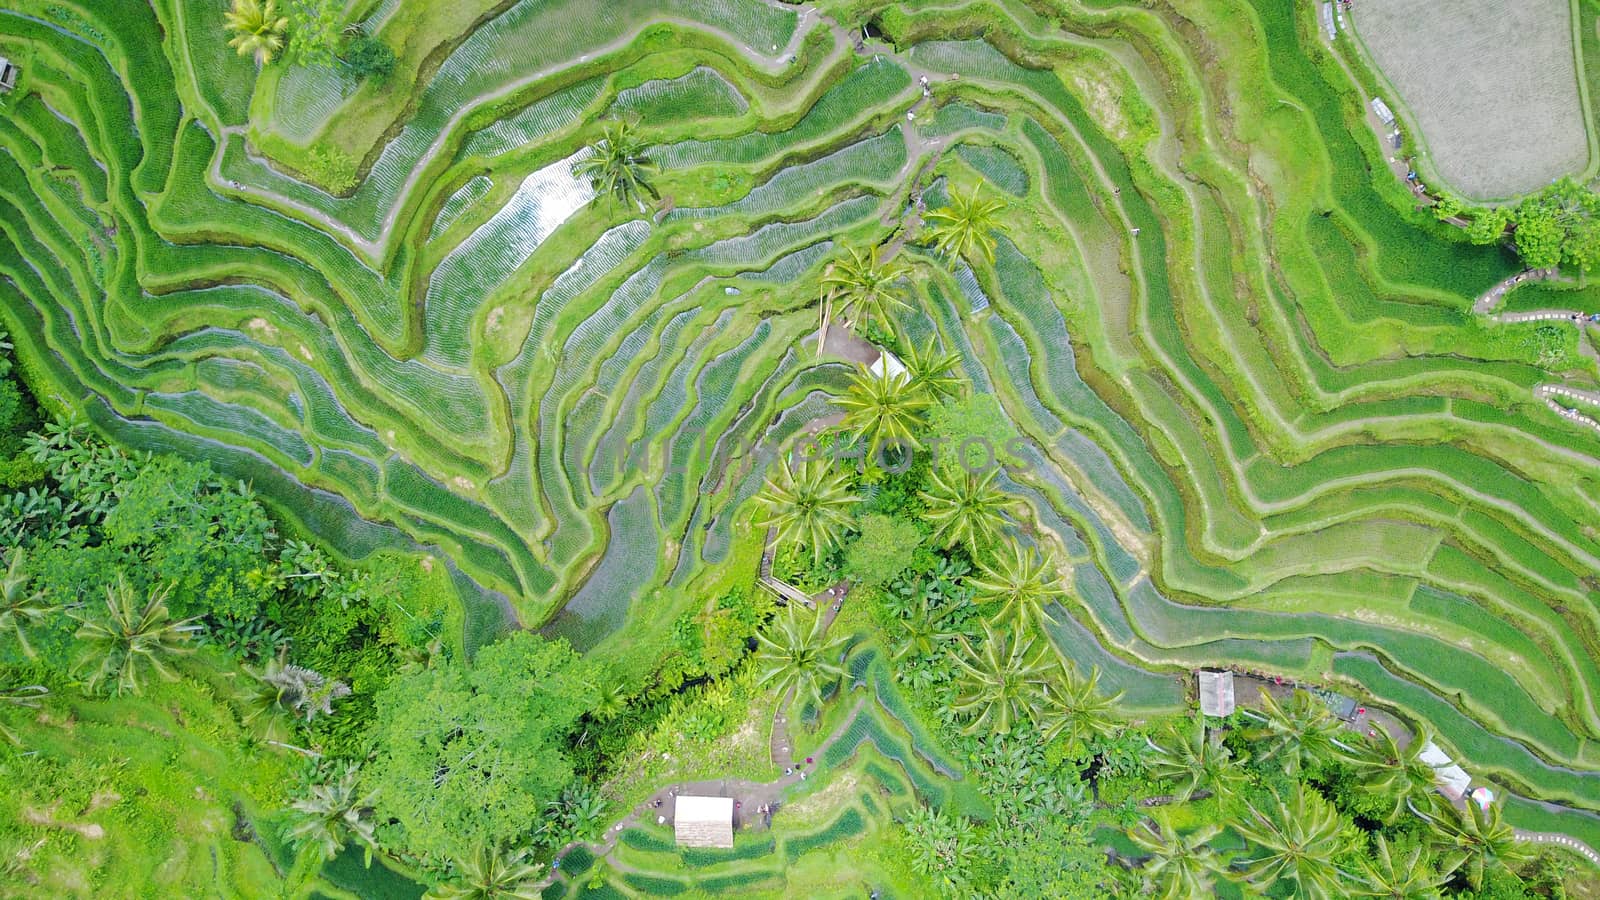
(703, 821)
(1216, 692)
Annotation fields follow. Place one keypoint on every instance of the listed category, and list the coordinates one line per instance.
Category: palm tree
(1416, 876)
(23, 695)
(265, 700)
(964, 227)
(809, 505)
(257, 29)
(18, 607)
(1023, 582)
(282, 688)
(882, 408)
(932, 370)
(331, 815)
(1075, 709)
(618, 167)
(965, 508)
(1302, 733)
(1191, 756)
(1002, 682)
(491, 874)
(1181, 865)
(611, 697)
(130, 637)
(1298, 842)
(793, 655)
(1485, 841)
(866, 287)
(1400, 776)
(927, 626)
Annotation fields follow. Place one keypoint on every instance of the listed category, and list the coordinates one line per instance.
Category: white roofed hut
(703, 821)
(889, 361)
(1216, 692)
(8, 74)
(1451, 779)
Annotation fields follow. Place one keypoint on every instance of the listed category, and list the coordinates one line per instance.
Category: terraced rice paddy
(1267, 429)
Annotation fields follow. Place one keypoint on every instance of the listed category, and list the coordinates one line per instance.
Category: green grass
(143, 795)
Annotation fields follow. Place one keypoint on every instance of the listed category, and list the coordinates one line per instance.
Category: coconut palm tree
(20, 608)
(926, 623)
(287, 688)
(1074, 709)
(1022, 582)
(1484, 840)
(965, 227)
(611, 697)
(257, 29)
(965, 508)
(865, 287)
(1002, 681)
(267, 705)
(23, 695)
(1399, 776)
(617, 166)
(1181, 866)
(331, 815)
(491, 874)
(1195, 760)
(882, 408)
(1418, 875)
(809, 505)
(932, 370)
(1296, 842)
(1303, 732)
(793, 654)
(130, 637)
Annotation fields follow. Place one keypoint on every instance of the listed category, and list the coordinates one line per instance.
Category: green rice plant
(741, 882)
(997, 165)
(750, 848)
(654, 885)
(644, 839)
(628, 566)
(957, 116)
(702, 93)
(873, 162)
(848, 825)
(864, 90)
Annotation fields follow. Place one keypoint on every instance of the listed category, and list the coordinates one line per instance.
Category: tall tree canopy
(471, 756)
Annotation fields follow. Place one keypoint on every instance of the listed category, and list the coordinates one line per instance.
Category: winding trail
(1560, 399)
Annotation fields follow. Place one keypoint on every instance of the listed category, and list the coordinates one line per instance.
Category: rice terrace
(841, 448)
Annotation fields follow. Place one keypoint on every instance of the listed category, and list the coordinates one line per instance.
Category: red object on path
(808, 760)
(1361, 710)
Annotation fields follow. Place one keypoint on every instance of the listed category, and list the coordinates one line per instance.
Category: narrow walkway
(1489, 300)
(1546, 837)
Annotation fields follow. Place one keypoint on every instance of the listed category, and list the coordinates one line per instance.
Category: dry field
(1493, 86)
